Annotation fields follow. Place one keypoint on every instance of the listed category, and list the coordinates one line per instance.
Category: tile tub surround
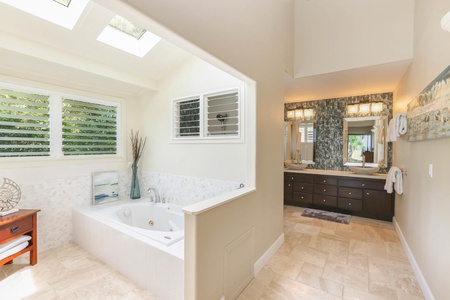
(329, 116)
(151, 265)
(56, 198)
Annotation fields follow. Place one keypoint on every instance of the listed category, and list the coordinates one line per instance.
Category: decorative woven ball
(9, 194)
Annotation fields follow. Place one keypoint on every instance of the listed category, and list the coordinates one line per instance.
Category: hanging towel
(397, 127)
(394, 181)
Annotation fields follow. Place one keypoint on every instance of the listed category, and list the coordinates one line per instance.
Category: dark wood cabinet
(353, 195)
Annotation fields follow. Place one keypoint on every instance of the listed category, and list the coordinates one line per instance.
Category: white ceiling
(32, 45)
(37, 49)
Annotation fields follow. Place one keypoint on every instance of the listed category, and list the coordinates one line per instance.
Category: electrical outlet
(430, 170)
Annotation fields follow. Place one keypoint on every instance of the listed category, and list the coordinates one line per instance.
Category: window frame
(203, 136)
(56, 96)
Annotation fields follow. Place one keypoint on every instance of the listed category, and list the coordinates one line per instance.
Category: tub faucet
(155, 198)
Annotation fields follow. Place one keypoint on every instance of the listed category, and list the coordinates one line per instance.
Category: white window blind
(307, 132)
(222, 114)
(24, 124)
(88, 128)
(186, 116)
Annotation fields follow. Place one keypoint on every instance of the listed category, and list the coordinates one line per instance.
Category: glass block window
(187, 118)
(88, 128)
(24, 124)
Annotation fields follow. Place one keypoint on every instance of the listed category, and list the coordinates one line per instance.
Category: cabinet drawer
(325, 180)
(303, 187)
(350, 204)
(15, 228)
(298, 177)
(327, 190)
(324, 200)
(303, 198)
(350, 193)
(367, 184)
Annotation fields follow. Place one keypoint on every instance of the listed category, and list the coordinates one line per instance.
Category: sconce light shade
(364, 108)
(290, 114)
(352, 109)
(298, 113)
(308, 112)
(377, 106)
(445, 22)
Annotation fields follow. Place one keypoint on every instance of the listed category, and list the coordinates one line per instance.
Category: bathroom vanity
(338, 191)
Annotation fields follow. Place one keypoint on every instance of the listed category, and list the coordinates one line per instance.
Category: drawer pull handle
(302, 197)
(367, 194)
(289, 184)
(324, 200)
(292, 178)
(324, 190)
(13, 229)
(324, 181)
(349, 204)
(302, 188)
(349, 193)
(362, 184)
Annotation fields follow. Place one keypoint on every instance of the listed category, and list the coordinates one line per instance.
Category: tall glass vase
(135, 193)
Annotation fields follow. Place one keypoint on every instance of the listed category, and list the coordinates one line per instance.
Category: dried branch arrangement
(137, 146)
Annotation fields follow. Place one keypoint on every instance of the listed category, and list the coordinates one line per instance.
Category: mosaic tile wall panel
(56, 198)
(329, 116)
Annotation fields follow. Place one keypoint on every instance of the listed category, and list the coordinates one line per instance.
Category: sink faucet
(155, 198)
(363, 161)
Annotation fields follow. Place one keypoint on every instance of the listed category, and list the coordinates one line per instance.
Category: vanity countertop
(337, 173)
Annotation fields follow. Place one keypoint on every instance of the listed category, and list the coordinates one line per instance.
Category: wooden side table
(23, 222)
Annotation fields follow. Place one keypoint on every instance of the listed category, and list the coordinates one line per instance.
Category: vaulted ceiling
(342, 48)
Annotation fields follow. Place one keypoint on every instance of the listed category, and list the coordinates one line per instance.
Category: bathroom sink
(294, 166)
(363, 170)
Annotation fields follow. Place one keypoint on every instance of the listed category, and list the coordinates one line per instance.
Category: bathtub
(142, 240)
(161, 222)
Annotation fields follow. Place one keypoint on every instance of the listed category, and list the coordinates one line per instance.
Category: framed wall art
(428, 113)
(105, 187)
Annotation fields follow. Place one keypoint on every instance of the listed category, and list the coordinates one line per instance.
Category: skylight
(128, 37)
(63, 2)
(56, 11)
(122, 24)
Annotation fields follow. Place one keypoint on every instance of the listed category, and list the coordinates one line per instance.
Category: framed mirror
(299, 138)
(365, 138)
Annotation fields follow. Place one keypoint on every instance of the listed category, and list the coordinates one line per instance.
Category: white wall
(422, 212)
(254, 38)
(332, 36)
(223, 160)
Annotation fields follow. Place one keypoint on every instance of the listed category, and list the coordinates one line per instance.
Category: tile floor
(327, 260)
(319, 260)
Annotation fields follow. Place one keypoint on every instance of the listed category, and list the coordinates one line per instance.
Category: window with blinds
(207, 116)
(186, 116)
(24, 124)
(222, 114)
(88, 128)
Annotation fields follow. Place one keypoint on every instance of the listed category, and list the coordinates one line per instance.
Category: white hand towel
(394, 180)
(397, 127)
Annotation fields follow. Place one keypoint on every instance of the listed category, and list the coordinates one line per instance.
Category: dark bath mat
(326, 215)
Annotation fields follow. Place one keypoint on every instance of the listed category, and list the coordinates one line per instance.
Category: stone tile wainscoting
(57, 198)
(328, 117)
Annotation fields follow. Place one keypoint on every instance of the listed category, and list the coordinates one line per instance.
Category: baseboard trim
(422, 282)
(260, 263)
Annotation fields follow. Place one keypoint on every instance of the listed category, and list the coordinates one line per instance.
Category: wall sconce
(365, 108)
(300, 113)
(445, 22)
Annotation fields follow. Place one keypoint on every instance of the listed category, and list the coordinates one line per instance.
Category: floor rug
(326, 215)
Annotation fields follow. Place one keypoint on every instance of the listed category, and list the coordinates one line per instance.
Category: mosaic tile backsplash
(329, 116)
(56, 198)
